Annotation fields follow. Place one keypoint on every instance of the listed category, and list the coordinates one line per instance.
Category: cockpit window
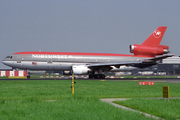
(10, 57)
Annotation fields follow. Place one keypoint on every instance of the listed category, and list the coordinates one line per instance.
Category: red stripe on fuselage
(73, 53)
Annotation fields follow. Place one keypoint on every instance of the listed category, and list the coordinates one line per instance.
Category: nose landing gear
(28, 77)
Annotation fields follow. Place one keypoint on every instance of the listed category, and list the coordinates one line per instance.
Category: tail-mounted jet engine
(149, 50)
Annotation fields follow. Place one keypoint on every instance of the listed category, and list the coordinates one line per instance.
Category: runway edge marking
(110, 101)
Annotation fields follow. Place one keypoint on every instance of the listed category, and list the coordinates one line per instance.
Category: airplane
(149, 53)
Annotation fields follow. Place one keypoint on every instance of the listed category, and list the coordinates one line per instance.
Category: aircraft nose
(4, 62)
(8, 61)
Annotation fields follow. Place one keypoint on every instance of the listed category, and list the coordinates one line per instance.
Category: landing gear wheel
(28, 77)
(103, 76)
(91, 76)
(97, 76)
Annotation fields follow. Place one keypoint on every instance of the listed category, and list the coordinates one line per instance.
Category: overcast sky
(102, 26)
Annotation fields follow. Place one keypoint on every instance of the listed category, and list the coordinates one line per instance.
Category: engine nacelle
(80, 69)
(149, 50)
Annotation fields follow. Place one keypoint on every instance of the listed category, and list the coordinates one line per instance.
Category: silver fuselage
(64, 62)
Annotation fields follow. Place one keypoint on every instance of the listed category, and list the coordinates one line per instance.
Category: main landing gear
(28, 77)
(97, 76)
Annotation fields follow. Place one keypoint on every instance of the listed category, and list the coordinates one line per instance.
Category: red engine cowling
(149, 50)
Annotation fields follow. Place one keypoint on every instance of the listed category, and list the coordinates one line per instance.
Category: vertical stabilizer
(156, 37)
(151, 46)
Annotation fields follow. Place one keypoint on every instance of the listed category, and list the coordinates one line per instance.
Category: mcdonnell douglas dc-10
(94, 64)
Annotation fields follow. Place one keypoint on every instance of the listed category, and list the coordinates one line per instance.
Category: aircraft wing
(113, 64)
(149, 60)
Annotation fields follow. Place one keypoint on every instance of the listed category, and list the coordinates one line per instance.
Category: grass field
(34, 76)
(52, 99)
(167, 109)
(155, 76)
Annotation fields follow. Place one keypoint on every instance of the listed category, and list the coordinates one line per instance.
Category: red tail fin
(156, 37)
(151, 46)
